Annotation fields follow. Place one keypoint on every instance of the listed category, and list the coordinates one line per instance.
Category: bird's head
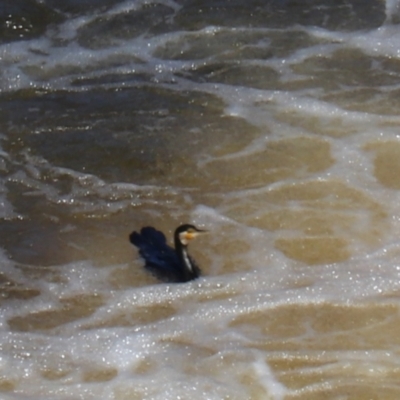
(185, 233)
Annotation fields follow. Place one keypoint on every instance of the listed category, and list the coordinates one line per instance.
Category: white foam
(392, 10)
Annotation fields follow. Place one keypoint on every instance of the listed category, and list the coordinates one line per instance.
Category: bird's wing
(152, 244)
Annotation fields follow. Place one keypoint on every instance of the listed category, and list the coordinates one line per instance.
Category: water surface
(274, 125)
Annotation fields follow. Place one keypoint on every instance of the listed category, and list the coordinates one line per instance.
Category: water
(271, 124)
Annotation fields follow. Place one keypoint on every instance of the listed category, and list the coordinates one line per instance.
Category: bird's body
(167, 263)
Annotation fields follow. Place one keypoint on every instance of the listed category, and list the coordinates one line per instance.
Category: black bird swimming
(168, 264)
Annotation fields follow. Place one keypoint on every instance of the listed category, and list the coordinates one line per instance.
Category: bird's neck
(187, 264)
(186, 259)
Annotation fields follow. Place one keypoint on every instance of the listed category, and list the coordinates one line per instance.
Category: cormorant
(168, 264)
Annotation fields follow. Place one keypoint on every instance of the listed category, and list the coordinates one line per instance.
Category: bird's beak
(192, 235)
